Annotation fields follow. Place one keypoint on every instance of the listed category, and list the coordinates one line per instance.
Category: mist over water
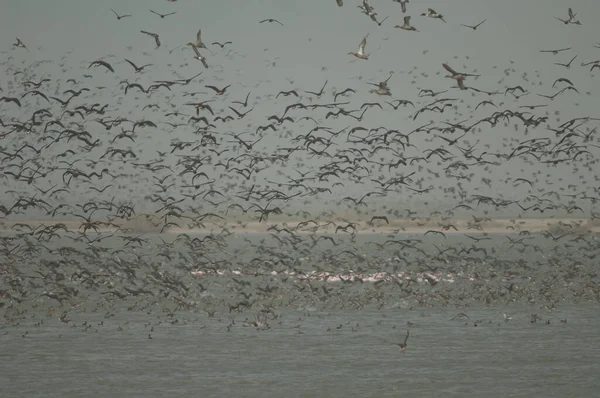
(309, 197)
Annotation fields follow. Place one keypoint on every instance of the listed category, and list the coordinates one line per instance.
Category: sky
(64, 36)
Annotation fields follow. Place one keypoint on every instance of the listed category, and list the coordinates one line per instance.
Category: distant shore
(410, 226)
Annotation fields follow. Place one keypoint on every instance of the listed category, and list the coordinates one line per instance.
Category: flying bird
(271, 20)
(102, 63)
(571, 19)
(156, 38)
(119, 17)
(474, 27)
(361, 49)
(162, 15)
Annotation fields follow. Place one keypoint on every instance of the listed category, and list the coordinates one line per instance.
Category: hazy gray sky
(309, 49)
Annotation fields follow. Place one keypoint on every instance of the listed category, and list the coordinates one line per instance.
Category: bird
(119, 17)
(571, 19)
(135, 67)
(163, 15)
(361, 49)
(219, 91)
(102, 63)
(221, 44)
(271, 20)
(555, 51)
(20, 44)
(474, 27)
(156, 38)
(567, 65)
(339, 2)
(432, 14)
(459, 77)
(403, 345)
(407, 25)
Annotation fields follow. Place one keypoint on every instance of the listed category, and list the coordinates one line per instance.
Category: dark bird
(271, 20)
(135, 67)
(568, 65)
(555, 51)
(102, 63)
(156, 37)
(474, 27)
(403, 345)
(162, 15)
(318, 95)
(20, 44)
(11, 99)
(219, 91)
(221, 45)
(119, 17)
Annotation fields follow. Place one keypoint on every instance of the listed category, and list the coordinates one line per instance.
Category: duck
(432, 14)
(407, 25)
(361, 49)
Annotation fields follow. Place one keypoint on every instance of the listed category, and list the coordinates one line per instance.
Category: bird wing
(131, 63)
(362, 45)
(449, 69)
(197, 52)
(198, 35)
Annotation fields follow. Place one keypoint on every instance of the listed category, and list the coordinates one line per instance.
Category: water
(197, 356)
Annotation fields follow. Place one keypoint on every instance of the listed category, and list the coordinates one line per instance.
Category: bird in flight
(20, 44)
(571, 19)
(459, 77)
(403, 345)
(156, 38)
(361, 49)
(271, 20)
(432, 14)
(474, 27)
(162, 15)
(119, 17)
(407, 25)
(135, 67)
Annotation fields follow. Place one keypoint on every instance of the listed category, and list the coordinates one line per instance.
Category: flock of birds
(219, 170)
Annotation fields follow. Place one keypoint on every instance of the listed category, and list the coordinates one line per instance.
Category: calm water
(197, 356)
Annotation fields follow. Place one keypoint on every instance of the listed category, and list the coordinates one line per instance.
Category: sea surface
(304, 354)
(135, 323)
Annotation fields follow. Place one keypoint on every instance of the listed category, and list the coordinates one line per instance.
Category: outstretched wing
(449, 69)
